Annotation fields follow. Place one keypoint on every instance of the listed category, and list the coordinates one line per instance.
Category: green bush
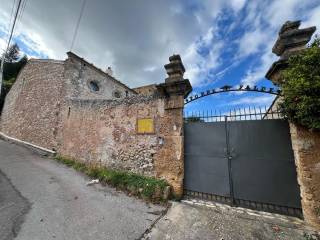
(148, 188)
(301, 88)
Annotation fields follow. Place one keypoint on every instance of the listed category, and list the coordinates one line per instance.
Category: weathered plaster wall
(306, 147)
(105, 132)
(79, 74)
(32, 107)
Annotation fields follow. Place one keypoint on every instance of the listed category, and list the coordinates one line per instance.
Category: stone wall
(32, 107)
(146, 90)
(79, 74)
(305, 144)
(306, 147)
(105, 132)
(52, 105)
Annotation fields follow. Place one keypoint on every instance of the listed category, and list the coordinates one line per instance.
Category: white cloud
(3, 45)
(278, 12)
(36, 42)
(136, 40)
(197, 65)
(313, 19)
(150, 68)
(237, 4)
(253, 75)
(264, 23)
(250, 42)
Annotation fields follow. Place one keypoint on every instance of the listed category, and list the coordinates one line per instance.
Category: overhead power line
(23, 7)
(11, 18)
(8, 44)
(77, 25)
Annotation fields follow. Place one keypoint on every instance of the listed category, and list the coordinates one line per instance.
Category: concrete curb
(35, 148)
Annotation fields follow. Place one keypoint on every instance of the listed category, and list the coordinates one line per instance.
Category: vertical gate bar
(255, 112)
(260, 118)
(215, 115)
(229, 161)
(266, 112)
(278, 111)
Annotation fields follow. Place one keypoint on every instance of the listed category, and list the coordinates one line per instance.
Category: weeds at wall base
(147, 188)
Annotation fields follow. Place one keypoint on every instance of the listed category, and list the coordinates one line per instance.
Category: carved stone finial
(175, 84)
(290, 41)
(175, 69)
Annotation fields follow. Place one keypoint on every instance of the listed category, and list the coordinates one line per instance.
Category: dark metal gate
(244, 159)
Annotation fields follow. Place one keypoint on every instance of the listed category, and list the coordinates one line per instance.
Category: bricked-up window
(94, 86)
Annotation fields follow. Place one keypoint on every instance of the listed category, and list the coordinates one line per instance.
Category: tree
(13, 53)
(301, 88)
(12, 66)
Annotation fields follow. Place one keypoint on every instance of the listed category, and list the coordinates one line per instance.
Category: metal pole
(1, 72)
(229, 158)
(5, 52)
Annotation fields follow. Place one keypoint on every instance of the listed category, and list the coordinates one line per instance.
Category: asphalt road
(41, 199)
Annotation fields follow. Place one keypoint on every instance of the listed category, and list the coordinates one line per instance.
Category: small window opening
(117, 94)
(69, 110)
(127, 93)
(94, 86)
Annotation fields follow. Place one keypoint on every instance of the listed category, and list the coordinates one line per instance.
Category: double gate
(244, 162)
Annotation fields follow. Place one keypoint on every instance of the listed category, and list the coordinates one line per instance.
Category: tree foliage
(301, 88)
(12, 66)
(13, 53)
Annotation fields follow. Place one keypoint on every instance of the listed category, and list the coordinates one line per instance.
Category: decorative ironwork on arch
(228, 88)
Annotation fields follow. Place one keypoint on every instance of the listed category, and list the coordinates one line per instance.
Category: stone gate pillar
(305, 144)
(175, 89)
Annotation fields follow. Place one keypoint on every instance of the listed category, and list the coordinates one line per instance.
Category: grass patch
(148, 188)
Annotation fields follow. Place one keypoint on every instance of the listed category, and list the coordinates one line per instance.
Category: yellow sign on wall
(145, 125)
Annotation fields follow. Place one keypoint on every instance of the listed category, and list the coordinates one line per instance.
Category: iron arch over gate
(228, 88)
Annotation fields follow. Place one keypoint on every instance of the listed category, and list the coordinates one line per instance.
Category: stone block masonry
(33, 105)
(32, 109)
(305, 144)
(84, 113)
(306, 147)
(105, 132)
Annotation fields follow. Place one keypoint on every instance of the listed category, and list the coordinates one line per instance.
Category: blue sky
(221, 42)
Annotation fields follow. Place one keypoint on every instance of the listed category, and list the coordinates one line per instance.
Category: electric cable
(77, 25)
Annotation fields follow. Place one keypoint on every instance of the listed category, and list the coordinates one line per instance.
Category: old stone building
(83, 112)
(34, 105)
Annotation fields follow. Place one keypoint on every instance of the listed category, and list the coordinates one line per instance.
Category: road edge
(35, 148)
